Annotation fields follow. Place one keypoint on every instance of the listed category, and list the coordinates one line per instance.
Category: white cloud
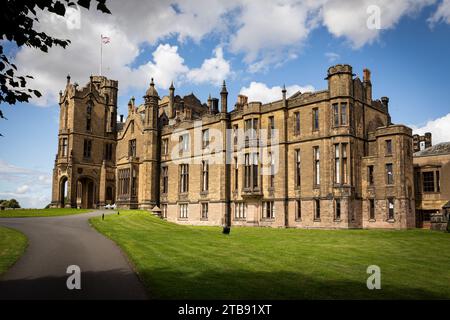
(270, 32)
(32, 188)
(442, 13)
(213, 70)
(258, 91)
(267, 33)
(22, 189)
(332, 56)
(348, 19)
(439, 129)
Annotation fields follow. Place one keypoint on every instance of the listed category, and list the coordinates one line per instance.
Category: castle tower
(83, 175)
(150, 166)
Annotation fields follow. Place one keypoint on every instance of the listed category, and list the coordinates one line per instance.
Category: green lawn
(185, 262)
(23, 213)
(12, 246)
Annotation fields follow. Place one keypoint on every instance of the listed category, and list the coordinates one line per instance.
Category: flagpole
(101, 53)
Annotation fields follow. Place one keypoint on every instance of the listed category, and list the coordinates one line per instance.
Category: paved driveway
(58, 242)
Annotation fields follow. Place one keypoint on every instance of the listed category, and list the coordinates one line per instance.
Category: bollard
(118, 213)
(103, 216)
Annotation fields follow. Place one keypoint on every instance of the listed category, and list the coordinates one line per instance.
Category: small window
(343, 114)
(372, 209)
(204, 215)
(316, 166)
(298, 210)
(268, 210)
(184, 178)
(64, 147)
(165, 147)
(164, 210)
(297, 123)
(184, 211)
(391, 208)
(297, 168)
(388, 147)
(271, 128)
(389, 174)
(87, 148)
(205, 138)
(336, 114)
(370, 177)
(184, 142)
(205, 176)
(317, 209)
(165, 180)
(315, 119)
(132, 148)
(337, 209)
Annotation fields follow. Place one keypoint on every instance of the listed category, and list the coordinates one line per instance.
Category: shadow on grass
(241, 285)
(107, 285)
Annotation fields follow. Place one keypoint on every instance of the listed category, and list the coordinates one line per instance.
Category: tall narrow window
(298, 210)
(343, 114)
(132, 126)
(316, 165)
(164, 210)
(315, 119)
(370, 176)
(204, 214)
(64, 147)
(389, 174)
(184, 142)
(134, 183)
(272, 171)
(205, 175)
(113, 121)
(297, 123)
(165, 147)
(184, 178)
(372, 209)
(337, 164)
(271, 127)
(236, 174)
(235, 134)
(344, 164)
(87, 148)
(132, 148)
(205, 138)
(391, 208)
(247, 171)
(388, 147)
(428, 181)
(255, 175)
(316, 209)
(88, 116)
(184, 211)
(337, 209)
(438, 182)
(165, 180)
(297, 168)
(336, 114)
(268, 210)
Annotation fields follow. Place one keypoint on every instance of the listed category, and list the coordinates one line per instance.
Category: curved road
(54, 243)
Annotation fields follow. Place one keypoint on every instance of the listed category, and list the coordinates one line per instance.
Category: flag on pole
(105, 39)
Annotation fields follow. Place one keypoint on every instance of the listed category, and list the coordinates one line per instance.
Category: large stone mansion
(330, 159)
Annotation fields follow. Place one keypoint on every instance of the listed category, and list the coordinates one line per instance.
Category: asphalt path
(54, 244)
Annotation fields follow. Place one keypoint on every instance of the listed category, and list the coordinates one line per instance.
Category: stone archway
(85, 193)
(63, 192)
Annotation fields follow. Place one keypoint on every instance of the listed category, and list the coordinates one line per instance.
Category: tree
(18, 26)
(13, 203)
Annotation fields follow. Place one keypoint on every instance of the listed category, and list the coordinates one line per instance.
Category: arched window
(89, 116)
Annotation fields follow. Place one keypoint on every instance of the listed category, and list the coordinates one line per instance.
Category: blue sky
(294, 44)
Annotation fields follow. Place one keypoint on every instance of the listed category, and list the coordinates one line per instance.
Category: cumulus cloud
(32, 188)
(258, 91)
(267, 33)
(439, 129)
(213, 70)
(442, 13)
(348, 19)
(271, 31)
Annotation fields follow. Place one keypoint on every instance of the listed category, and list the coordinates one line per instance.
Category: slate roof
(440, 148)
